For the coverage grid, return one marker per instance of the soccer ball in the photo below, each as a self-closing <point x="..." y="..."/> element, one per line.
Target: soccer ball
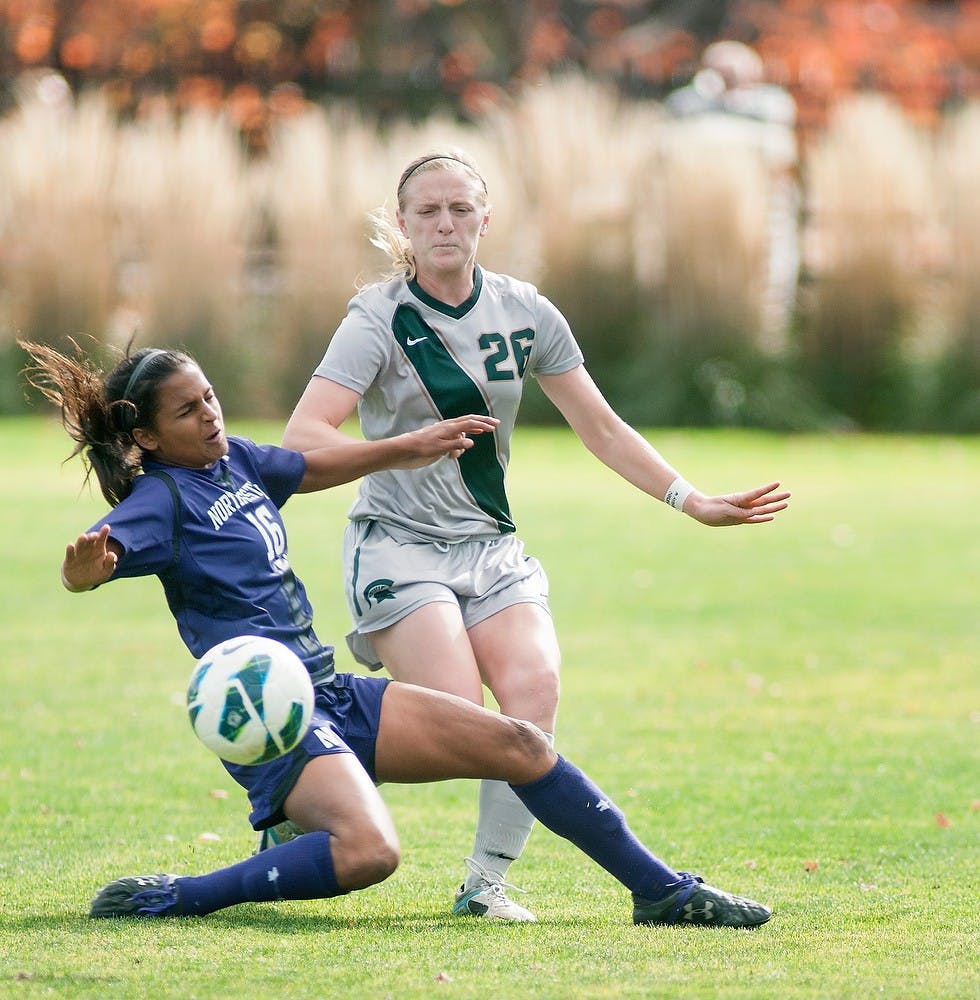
<point x="250" y="699"/>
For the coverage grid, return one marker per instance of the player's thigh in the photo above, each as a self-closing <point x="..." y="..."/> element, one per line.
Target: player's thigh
<point x="519" y="659"/>
<point x="335" y="793"/>
<point x="430" y="647"/>
<point x="431" y="736"/>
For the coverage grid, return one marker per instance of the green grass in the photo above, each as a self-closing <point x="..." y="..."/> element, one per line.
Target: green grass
<point x="785" y="708"/>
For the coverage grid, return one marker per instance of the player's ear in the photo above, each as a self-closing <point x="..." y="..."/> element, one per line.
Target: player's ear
<point x="485" y="225"/>
<point x="147" y="440"/>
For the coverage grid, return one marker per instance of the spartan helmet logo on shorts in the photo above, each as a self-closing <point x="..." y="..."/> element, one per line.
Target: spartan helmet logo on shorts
<point x="378" y="591"/>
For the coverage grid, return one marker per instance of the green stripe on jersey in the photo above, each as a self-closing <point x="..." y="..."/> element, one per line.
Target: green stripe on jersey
<point x="455" y="394"/>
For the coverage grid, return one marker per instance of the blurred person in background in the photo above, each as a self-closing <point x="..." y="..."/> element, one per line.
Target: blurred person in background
<point x="440" y="589"/>
<point x="728" y="101"/>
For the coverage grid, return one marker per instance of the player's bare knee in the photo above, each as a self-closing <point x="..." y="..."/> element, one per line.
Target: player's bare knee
<point x="371" y="870"/>
<point x="528" y="751"/>
<point x="530" y="692"/>
<point x="365" y="859"/>
<point x="550" y="685"/>
<point x="541" y="684"/>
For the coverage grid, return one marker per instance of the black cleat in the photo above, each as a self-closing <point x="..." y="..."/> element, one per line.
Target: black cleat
<point x="137" y="896"/>
<point x="695" y="902"/>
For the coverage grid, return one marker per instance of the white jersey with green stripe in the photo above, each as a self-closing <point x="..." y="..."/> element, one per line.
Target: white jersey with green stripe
<point x="415" y="360"/>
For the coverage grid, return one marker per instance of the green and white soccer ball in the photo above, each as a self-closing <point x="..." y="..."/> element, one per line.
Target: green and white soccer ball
<point x="250" y="699"/>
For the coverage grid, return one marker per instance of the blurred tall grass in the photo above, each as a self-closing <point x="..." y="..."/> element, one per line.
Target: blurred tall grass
<point x="654" y="238"/>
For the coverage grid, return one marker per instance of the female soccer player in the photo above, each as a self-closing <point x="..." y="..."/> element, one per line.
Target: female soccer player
<point x="200" y="510"/>
<point x="432" y="563"/>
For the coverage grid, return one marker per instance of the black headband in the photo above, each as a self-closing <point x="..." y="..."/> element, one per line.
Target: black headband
<point x="438" y="156"/>
<point x="138" y="369"/>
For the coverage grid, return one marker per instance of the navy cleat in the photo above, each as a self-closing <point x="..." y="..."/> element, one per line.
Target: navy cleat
<point x="137" y="896"/>
<point x="697" y="903"/>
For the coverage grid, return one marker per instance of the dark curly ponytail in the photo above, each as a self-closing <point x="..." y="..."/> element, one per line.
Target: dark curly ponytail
<point x="100" y="411"/>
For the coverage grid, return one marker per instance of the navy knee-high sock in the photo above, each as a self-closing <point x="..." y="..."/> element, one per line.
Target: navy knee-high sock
<point x="299" y="869"/>
<point x="567" y="802"/>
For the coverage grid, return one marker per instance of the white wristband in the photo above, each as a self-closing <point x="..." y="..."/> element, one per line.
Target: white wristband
<point x="678" y="491"/>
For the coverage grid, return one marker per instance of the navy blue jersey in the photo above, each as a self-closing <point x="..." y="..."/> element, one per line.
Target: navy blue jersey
<point x="220" y="550"/>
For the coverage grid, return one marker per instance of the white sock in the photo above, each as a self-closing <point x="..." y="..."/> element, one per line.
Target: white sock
<point x="502" y="829"/>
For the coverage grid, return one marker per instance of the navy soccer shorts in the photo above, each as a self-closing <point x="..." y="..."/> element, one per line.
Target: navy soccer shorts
<point x="346" y="717"/>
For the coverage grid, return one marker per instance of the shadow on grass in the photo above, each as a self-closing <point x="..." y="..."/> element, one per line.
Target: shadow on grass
<point x="257" y="918"/>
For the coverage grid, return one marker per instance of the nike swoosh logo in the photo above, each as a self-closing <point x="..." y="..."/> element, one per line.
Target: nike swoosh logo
<point x="228" y="649"/>
<point x="412" y="341"/>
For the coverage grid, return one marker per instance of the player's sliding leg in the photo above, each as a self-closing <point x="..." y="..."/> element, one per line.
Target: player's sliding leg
<point x="567" y="802"/>
<point x="299" y="869"/>
<point x="353" y="845"/>
<point x="426" y="734"/>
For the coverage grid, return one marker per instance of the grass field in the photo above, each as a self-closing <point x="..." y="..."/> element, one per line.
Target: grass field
<point x="792" y="710"/>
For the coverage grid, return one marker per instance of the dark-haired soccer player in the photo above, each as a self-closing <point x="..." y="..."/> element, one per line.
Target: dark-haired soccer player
<point x="201" y="511"/>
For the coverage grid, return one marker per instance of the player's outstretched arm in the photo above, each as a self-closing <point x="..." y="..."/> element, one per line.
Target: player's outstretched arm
<point x="751" y="507"/>
<point x="89" y="560"/>
<point x="348" y="459"/>
<point x="333" y="457"/>
<point x="629" y="454"/>
<point x="316" y="420"/>
<point x="444" y="439"/>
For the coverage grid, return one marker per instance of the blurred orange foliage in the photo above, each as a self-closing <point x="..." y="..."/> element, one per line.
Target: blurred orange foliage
<point x="924" y="54"/>
<point x="466" y="53"/>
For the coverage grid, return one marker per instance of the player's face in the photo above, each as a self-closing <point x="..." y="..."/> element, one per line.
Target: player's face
<point x="189" y="430"/>
<point x="444" y="217"/>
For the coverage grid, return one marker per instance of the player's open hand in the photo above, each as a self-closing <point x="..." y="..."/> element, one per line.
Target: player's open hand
<point x="447" y="438"/>
<point x="89" y="561"/>
<point x="751" y="507"/>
